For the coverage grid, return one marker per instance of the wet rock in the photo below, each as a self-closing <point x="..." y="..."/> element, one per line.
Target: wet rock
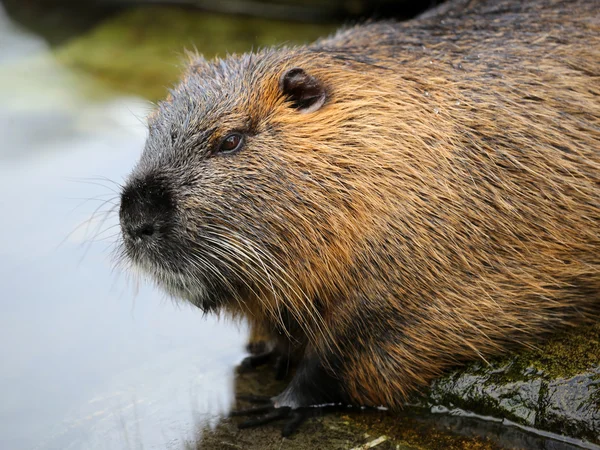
<point x="555" y="387"/>
<point x="413" y="428"/>
<point x="573" y="406"/>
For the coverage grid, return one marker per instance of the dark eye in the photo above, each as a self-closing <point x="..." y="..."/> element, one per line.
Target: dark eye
<point x="231" y="143"/>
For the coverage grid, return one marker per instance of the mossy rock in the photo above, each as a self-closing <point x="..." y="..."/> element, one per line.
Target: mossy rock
<point x="554" y="387"/>
<point x="415" y="428"/>
<point x="141" y="51"/>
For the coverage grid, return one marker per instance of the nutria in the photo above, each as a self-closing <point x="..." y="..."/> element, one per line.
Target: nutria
<point x="389" y="201"/>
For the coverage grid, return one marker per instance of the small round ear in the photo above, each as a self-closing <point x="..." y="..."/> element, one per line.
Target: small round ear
<point x="305" y="92"/>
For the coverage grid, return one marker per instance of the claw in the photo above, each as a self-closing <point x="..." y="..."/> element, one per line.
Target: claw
<point x="271" y="414"/>
<point x="294" y="417"/>
<point x="275" y="414"/>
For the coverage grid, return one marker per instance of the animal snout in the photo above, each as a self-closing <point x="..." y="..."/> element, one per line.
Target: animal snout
<point x="146" y="208"/>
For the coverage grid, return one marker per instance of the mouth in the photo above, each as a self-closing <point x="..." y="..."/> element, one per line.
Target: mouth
<point x="179" y="283"/>
<point x="184" y="271"/>
<point x="187" y="261"/>
<point x="157" y="245"/>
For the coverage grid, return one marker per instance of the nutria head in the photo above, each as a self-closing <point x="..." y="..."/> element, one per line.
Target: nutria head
<point x="229" y="198"/>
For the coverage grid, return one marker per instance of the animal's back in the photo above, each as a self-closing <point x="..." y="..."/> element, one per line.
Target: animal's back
<point x="488" y="187"/>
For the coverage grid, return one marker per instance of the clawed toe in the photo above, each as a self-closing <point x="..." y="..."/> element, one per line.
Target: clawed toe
<point x="256" y="399"/>
<point x="273" y="414"/>
<point x="266" y="412"/>
<point x="294" y="418"/>
<point x="269" y="413"/>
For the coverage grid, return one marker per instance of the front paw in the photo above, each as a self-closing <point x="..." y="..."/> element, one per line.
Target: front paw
<point x="311" y="391"/>
<point x="281" y="365"/>
<point x="269" y="412"/>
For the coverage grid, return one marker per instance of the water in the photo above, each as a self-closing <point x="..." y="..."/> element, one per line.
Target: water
<point x="89" y="360"/>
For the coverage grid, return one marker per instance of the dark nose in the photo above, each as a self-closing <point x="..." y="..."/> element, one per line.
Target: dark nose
<point x="146" y="208"/>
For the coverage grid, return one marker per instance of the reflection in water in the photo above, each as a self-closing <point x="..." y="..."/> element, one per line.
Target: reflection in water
<point x="88" y="360"/>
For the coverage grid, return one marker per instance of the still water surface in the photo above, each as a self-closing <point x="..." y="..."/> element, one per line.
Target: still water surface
<point x="89" y="359"/>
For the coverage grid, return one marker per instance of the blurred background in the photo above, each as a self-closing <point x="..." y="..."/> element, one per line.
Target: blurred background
<point x="91" y="360"/>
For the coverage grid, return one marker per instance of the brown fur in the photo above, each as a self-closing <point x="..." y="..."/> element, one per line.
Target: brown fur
<point x="443" y="204"/>
<point x="485" y="181"/>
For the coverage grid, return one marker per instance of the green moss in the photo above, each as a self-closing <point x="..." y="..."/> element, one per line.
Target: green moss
<point x="564" y="355"/>
<point x="532" y="387"/>
<point x="141" y="51"/>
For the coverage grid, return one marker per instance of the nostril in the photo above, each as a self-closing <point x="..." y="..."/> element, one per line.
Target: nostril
<point x="146" y="209"/>
<point x="146" y="230"/>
